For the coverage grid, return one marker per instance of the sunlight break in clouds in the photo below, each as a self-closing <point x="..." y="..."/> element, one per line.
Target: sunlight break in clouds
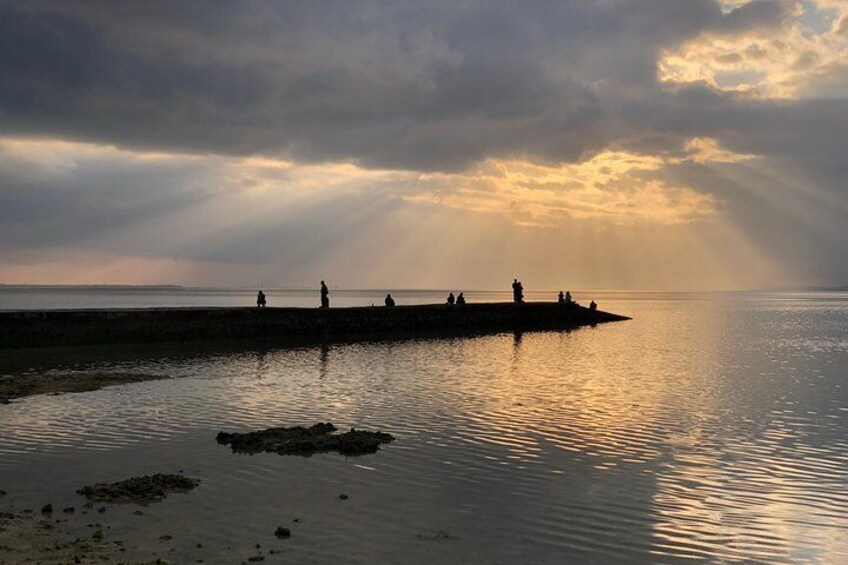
<point x="609" y="186"/>
<point x="183" y="218"/>
<point x="797" y="61"/>
<point x="615" y="143"/>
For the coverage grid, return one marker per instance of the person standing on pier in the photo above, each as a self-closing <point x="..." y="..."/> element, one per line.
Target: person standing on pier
<point x="517" y="291"/>
<point x="325" y="296"/>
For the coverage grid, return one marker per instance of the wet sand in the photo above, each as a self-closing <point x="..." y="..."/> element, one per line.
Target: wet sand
<point x="31" y="538"/>
<point x="28" y="537"/>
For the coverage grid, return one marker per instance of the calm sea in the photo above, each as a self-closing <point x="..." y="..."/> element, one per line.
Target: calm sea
<point x="710" y="428"/>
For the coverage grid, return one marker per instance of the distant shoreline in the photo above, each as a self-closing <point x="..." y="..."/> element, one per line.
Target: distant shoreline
<point x="175" y="287"/>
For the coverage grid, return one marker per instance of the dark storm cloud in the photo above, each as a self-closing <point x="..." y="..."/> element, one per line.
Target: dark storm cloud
<point x="425" y="86"/>
<point x="81" y="204"/>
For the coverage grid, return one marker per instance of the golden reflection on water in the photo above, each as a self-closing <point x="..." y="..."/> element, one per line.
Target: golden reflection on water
<point x="678" y="415"/>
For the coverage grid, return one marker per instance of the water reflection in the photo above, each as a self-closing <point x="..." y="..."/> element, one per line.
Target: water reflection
<point x="699" y="430"/>
<point x="325" y="353"/>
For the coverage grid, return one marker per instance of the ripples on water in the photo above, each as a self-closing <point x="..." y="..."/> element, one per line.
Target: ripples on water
<point x="707" y="429"/>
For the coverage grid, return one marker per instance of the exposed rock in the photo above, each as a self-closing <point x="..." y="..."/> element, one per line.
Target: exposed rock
<point x="305" y="441"/>
<point x="47" y="509"/>
<point x="439" y="535"/>
<point x="140" y="490"/>
<point x="3" y="492"/>
<point x="282" y="532"/>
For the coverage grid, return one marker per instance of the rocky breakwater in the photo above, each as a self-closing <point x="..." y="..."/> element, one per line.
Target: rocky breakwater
<point x="50" y="328"/>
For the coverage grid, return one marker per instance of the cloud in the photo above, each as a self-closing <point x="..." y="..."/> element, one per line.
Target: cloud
<point x="611" y="186"/>
<point x="307" y="133"/>
<point x="100" y="213"/>
<point x="425" y="86"/>
<point x="783" y="60"/>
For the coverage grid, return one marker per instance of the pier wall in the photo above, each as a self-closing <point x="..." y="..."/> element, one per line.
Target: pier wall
<point x="48" y="328"/>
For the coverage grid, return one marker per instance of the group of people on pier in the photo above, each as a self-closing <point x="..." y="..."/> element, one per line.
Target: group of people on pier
<point x="459" y="300"/>
<point x="517" y="297"/>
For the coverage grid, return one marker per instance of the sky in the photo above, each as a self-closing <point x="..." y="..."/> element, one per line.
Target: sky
<point x="583" y="144"/>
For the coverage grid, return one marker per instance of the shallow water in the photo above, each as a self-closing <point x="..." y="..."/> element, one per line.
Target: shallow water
<point x="710" y="427"/>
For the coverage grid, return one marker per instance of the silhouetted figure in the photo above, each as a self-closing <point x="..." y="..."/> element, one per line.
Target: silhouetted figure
<point x="561" y="298"/>
<point x="325" y="296"/>
<point x="451" y="299"/>
<point x="460" y="300"/>
<point x="520" y="293"/>
<point x="390" y="302"/>
<point x="568" y="297"/>
<point x="260" y="299"/>
<point x="593" y="306"/>
<point x="516" y="293"/>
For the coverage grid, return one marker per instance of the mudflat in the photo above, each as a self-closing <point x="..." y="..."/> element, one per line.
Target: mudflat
<point x="20" y="386"/>
<point x="25" y="537"/>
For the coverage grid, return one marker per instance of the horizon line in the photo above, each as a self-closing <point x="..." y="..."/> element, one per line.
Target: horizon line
<point x="165" y="286"/>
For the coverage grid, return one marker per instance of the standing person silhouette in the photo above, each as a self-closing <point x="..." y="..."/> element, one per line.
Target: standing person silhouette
<point x="561" y="298"/>
<point x="325" y="296"/>
<point x="520" y="299"/>
<point x="516" y="291"/>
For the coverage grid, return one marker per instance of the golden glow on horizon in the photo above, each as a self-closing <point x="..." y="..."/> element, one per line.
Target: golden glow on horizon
<point x="608" y="222"/>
